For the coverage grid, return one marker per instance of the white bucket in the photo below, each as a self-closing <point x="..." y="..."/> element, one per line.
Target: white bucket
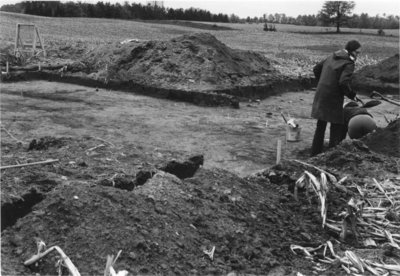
<point x="293" y="133"/>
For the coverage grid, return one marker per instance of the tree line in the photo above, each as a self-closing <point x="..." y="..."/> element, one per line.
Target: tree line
<point x="363" y="21"/>
<point x="156" y="12"/>
<point x="115" y="11"/>
<point x="338" y="14"/>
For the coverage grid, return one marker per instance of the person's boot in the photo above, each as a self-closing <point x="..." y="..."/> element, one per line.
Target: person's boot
<point x="318" y="140"/>
<point x="335" y="136"/>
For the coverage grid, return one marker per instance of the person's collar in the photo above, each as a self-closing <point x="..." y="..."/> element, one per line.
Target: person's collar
<point x="350" y="55"/>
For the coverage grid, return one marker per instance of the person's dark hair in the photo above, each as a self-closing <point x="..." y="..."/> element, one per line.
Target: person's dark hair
<point x="352" y="45"/>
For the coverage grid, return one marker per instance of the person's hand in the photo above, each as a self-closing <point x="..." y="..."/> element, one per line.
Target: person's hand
<point x="359" y="100"/>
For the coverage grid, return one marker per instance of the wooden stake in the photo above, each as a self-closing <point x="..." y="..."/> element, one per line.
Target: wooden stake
<point x="34" y="41"/>
<point x="29" y="164"/>
<point x="41" y="42"/>
<point x="278" y="151"/>
<point x="16" y="38"/>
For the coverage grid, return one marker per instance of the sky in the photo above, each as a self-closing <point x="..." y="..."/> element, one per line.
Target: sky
<point x="257" y="8"/>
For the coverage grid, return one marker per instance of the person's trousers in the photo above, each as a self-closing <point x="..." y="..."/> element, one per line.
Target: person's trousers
<point x="335" y="137"/>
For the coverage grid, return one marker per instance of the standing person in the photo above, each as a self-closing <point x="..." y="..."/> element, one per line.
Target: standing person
<point x="334" y="77"/>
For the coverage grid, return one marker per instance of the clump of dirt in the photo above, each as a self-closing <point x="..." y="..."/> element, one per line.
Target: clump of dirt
<point x="385" y="140"/>
<point x="190" y="62"/>
<point x="185" y="169"/>
<point x="383" y="77"/>
<point x="45" y="142"/>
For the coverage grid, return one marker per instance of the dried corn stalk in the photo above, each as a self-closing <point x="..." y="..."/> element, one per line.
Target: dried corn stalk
<point x="320" y="187"/>
<point x="110" y="271"/>
<point x="350" y="262"/>
<point x="375" y="219"/>
<point x="378" y="218"/>
<point x="64" y="258"/>
<point x="65" y="261"/>
<point x="353" y="212"/>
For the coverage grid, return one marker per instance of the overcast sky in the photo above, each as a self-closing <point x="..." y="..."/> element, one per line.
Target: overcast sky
<point x="258" y="8"/>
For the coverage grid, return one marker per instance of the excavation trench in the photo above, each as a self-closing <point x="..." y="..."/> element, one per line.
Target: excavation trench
<point x="219" y="97"/>
<point x="182" y="170"/>
<point x="11" y="212"/>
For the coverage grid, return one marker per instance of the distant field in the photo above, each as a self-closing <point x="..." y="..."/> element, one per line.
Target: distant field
<point x="299" y="46"/>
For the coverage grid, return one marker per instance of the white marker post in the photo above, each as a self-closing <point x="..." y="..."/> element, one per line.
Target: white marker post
<point x="278" y="151"/>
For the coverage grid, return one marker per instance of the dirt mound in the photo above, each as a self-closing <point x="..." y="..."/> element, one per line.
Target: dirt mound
<point x="355" y="158"/>
<point x="163" y="226"/>
<point x="385" y="140"/>
<point x="383" y="77"/>
<point x="190" y="62"/>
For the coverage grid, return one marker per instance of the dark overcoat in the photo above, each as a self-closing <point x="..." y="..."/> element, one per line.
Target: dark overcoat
<point x="334" y="78"/>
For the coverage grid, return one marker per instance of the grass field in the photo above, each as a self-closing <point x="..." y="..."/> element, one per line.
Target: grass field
<point x="291" y="46"/>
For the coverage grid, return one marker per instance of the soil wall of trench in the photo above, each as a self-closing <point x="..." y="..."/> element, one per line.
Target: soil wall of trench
<point x="231" y="96"/>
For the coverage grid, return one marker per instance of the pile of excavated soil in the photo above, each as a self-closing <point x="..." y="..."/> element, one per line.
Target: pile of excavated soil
<point x="355" y="158"/>
<point x="163" y="225"/>
<point x="375" y="153"/>
<point x="385" y="140"/>
<point x="189" y="62"/>
<point x="382" y="77"/>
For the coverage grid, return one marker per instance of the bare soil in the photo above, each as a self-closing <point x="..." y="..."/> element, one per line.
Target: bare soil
<point x="167" y="181"/>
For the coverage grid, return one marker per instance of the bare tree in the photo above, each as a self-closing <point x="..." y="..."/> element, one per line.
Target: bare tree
<point x="336" y="12"/>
